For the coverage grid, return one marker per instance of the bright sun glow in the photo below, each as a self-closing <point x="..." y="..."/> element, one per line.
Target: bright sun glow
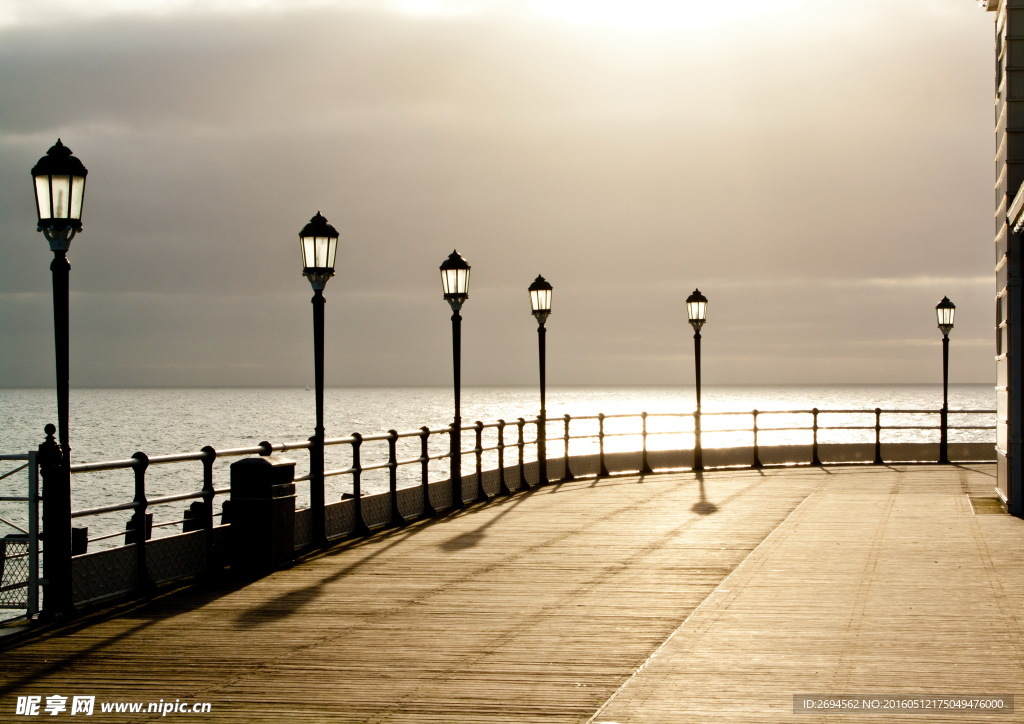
<point x="626" y="15"/>
<point x="651" y="15"/>
<point x="638" y="15"/>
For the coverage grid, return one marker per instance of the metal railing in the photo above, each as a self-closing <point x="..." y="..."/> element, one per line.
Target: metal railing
<point x="580" y="435"/>
<point x="501" y="460"/>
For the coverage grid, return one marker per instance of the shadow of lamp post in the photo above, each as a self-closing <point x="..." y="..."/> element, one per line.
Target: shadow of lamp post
<point x="59" y="188"/>
<point x="455" y="285"/>
<point x="697" y="312"/>
<point x="318" y="241"/>
<point x="945" y="310"/>
<point x="540" y="301"/>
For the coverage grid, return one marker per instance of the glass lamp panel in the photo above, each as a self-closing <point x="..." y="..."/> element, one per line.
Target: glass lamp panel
<point x="60" y="195"/>
<point x="455" y="282"/>
<point x="308" y="244"/>
<point x="697" y="311"/>
<point x="77" y="195"/>
<point x="321" y="249"/>
<point x="318" y="252"/>
<point x="332" y="251"/>
<point x="945" y="315"/>
<point x="540" y="299"/>
<point x="43" y="197"/>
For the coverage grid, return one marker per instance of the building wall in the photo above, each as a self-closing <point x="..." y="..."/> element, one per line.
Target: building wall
<point x="1009" y="173"/>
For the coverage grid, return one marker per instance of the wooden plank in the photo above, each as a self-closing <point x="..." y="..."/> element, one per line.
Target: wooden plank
<point x="880" y="584"/>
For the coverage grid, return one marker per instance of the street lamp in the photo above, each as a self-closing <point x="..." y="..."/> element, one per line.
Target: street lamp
<point x="697" y="312"/>
<point x="59" y="180"/>
<point x="540" y="302"/>
<point x="318" y="242"/>
<point x="60" y="186"/>
<point x="455" y="284"/>
<point x="945" y="310"/>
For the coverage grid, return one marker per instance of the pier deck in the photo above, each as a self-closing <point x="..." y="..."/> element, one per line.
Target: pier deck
<point x="666" y="598"/>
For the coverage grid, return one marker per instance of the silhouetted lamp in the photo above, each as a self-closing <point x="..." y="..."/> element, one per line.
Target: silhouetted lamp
<point x="945" y="310"/>
<point x="318" y="242"/>
<point x="59" y="181"/>
<point x="697" y="312"/>
<point x="60" y="189"/>
<point x="540" y="299"/>
<point x="540" y="302"/>
<point x="455" y="285"/>
<point x="455" y="280"/>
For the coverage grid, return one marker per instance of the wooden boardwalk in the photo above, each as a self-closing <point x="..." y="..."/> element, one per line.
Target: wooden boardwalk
<point x="660" y="599"/>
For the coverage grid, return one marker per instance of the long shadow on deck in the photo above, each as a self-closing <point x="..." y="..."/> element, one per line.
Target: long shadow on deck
<point x="473" y="537"/>
<point x="151" y="612"/>
<point x="291" y="603"/>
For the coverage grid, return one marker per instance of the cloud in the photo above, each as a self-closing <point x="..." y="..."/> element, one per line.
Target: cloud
<point x="811" y="180"/>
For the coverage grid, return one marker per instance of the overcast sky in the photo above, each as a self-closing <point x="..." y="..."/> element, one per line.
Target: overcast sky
<point x="822" y="171"/>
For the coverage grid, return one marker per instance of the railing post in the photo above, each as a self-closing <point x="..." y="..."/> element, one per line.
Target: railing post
<point x="645" y="467"/>
<point x="428" y="507"/>
<point x="58" y="600"/>
<point x="542" y="448"/>
<point x="141" y="524"/>
<point x="567" y="474"/>
<point x="602" y="469"/>
<point x="757" y="449"/>
<point x="478" y="452"/>
<point x="210" y="457"/>
<point x="878" y="436"/>
<point x="502" y="481"/>
<point x="359" y="525"/>
<point x="396" y="515"/>
<point x="317" y="495"/>
<point x="523" y="482"/>
<point x="33" y="534"/>
<point x="815" y="460"/>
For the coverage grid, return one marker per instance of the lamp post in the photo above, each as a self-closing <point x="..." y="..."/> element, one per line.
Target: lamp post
<point x="59" y="180"/>
<point x="540" y="302"/>
<point x="455" y="285"/>
<point x="945" y="310"/>
<point x="318" y="242"/>
<point x="60" y="187"/>
<point x="697" y="312"/>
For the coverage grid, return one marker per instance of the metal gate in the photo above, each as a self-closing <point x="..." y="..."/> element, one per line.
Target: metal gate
<point x="19" y="536"/>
